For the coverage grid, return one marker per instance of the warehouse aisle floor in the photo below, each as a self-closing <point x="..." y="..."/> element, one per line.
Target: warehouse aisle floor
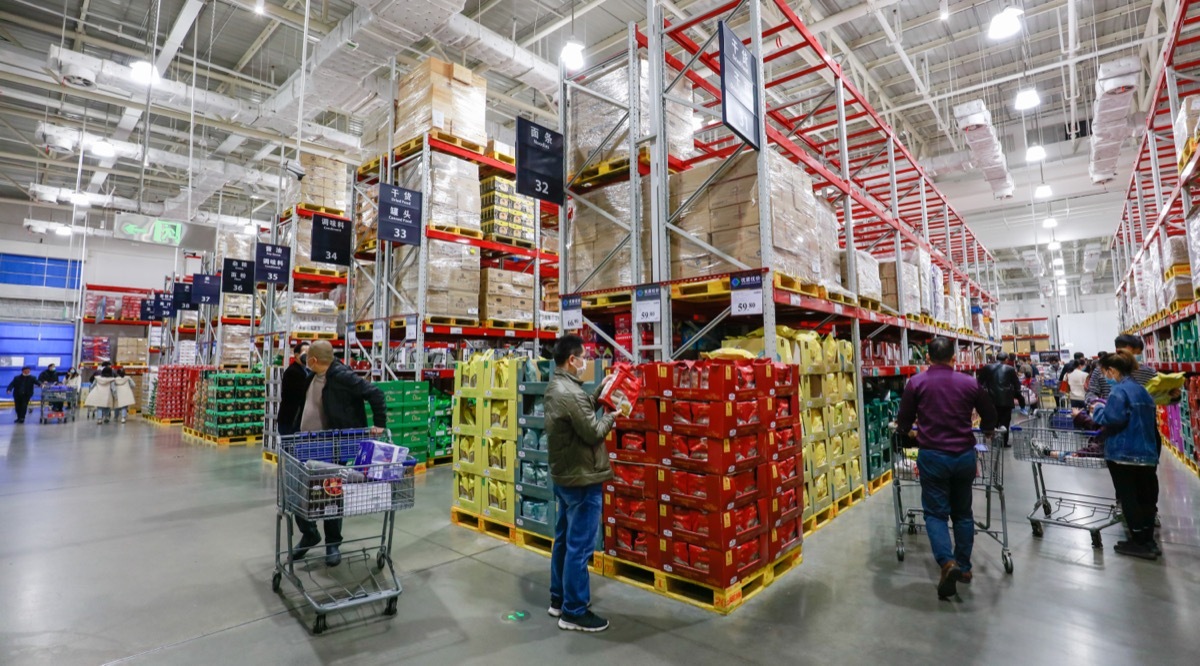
<point x="124" y="544"/>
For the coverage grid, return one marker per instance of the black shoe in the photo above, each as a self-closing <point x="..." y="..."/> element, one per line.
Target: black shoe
<point x="306" y="542"/>
<point x="333" y="556"/>
<point x="555" y="609"/>
<point x="20" y="420"/>
<point x="588" y="622"/>
<point x="1134" y="549"/>
<point x="948" y="583"/>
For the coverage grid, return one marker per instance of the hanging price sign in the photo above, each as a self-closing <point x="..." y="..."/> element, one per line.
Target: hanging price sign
<point x="147" y="309"/>
<point x="647" y="304"/>
<point x="747" y="294"/>
<point x="572" y="313"/>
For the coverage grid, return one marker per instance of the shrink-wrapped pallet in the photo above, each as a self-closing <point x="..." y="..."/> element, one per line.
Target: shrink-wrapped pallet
<point x="437" y="95"/>
<point x="452" y="199"/>
<point x="326" y="182"/>
<point x="867" y="270"/>
<point x="593" y="236"/>
<point x="910" y="299"/>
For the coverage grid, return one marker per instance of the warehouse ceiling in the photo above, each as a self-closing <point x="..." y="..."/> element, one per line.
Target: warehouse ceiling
<point x="913" y="66"/>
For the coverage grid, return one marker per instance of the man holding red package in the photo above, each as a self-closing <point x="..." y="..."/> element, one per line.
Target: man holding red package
<point x="944" y="400"/>
<point x="578" y="467"/>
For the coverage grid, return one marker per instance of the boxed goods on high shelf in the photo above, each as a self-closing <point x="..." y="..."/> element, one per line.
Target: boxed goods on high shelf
<point x="506" y="295"/>
<point x="132" y="351"/>
<point x="311" y="314"/>
<point x="185" y="352"/>
<point x="437" y="95"/>
<point x="924" y="263"/>
<point x="175" y="391"/>
<point x="870" y="286"/>
<point x="593" y="238"/>
<point x="407" y="415"/>
<point x="889" y="285"/>
<point x="229" y="406"/>
<point x="112" y="305"/>
<point x="507" y="217"/>
<point x="1177" y="289"/>
<point x="453" y="198"/>
<point x="236" y="244"/>
<point x="95" y="349"/>
<point x="326" y="182"/>
<point x="235" y="346"/>
<point x="1184" y="127"/>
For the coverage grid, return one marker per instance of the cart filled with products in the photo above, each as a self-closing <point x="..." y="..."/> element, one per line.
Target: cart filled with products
<point x="59" y="403"/>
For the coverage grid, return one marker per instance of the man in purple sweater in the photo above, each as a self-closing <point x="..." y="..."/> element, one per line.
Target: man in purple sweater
<point x="943" y="400"/>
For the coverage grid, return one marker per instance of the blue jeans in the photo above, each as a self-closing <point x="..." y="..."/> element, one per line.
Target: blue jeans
<point x="574" y="541"/>
<point x="946" y="494"/>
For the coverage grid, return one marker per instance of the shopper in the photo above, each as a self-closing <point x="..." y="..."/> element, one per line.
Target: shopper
<point x="943" y="400"/>
<point x="334" y="396"/>
<point x="291" y="390"/>
<point x="73" y="379"/>
<point x="1077" y="380"/>
<point x="578" y="467"/>
<point x="21" y="387"/>
<point x="1131" y="449"/>
<point x="1004" y="388"/>
<point x="123" y="397"/>
<point x="1099" y="385"/>
<point x="48" y="377"/>
<point x="1076" y="360"/>
<point x="102" y="395"/>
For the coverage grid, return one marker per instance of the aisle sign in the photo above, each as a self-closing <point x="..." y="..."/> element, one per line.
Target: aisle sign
<point x="379" y="332"/>
<point x="747" y="298"/>
<point x="572" y="313"/>
<point x="181" y="297"/>
<point x="236" y="277"/>
<point x="272" y="263"/>
<point x="739" y="87"/>
<point x="399" y="215"/>
<point x="539" y="162"/>
<point x="647" y="304"/>
<point x="164" y="306"/>
<point x="206" y="289"/>
<point x="331" y="240"/>
<point x="148" y="310"/>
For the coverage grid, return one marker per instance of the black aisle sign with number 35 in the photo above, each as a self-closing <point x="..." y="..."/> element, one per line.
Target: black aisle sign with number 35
<point x="331" y="240"/>
<point x="539" y="162"/>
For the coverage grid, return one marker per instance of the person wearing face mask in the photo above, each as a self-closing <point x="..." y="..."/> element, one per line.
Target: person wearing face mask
<point x="1131" y="450"/>
<point x="578" y="467"/>
<point x="1099" y="385"/>
<point x="291" y="390"/>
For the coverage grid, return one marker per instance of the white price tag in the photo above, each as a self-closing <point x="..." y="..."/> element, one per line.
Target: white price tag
<point x="410" y="328"/>
<point x="379" y="332"/>
<point x="747" y="302"/>
<point x="647" y="304"/>
<point x="572" y="320"/>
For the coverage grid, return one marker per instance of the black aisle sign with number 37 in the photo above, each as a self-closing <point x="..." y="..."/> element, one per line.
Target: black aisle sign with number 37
<point x="539" y="162"/>
<point x="331" y="240"/>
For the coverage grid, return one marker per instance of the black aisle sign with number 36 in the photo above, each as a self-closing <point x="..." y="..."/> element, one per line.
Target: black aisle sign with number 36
<point x="539" y="162"/>
<point x="331" y="240"/>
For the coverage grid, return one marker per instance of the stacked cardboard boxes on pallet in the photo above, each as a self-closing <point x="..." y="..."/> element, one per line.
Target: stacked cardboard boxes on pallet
<point x="506" y="295"/>
<point x="228" y="405"/>
<point x="326" y="182"/>
<point x="485" y="412"/>
<point x="437" y="95"/>
<point x="507" y="217"/>
<point x="407" y="415"/>
<point x="132" y="351"/>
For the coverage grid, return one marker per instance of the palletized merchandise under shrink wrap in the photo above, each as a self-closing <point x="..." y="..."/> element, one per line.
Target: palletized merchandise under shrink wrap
<point x="1185" y="125"/>
<point x="237" y="306"/>
<point x="591" y="118"/>
<point x="892" y="298"/>
<point x="452" y="281"/>
<point x="1193" y="239"/>
<point x="366" y="215"/>
<point x="437" y="95"/>
<point x="326" y="182"/>
<point x="593" y="236"/>
<point x="452" y="199"/>
<point x="867" y="269"/>
<point x="923" y="262"/>
<point x="235" y="345"/>
<point x="506" y="295"/>
<point x="132" y="351"/>
<point x="1175" y="251"/>
<point x="937" y="292"/>
<point x="1178" y="288"/>
<point x="235" y="244"/>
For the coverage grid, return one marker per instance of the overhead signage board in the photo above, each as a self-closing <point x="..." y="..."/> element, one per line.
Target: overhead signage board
<point x="331" y="240"/>
<point x="272" y="263"/>
<point x="237" y="277"/>
<point x="182" y="297"/>
<point x="540" y="164"/>
<point x="739" y="87"/>
<point x="399" y="215"/>
<point x="206" y="289"/>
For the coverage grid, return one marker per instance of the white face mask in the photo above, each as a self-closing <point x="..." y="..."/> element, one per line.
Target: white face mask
<point x="580" y="368"/>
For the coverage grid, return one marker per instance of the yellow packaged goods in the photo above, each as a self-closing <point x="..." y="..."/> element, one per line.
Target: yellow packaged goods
<point x="516" y="202"/>
<point x="438" y="95"/>
<point x="453" y="198"/>
<point x="498" y="184"/>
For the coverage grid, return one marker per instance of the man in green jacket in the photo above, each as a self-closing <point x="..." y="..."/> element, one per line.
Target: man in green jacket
<point x="578" y="467"/>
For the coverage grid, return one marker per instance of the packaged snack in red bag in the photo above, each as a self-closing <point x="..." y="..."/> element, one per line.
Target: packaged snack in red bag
<point x="746" y="411"/>
<point x="745" y="447"/>
<point x="783" y="409"/>
<point x="748" y="553"/>
<point x="682" y="412"/>
<point x="689" y="520"/>
<point x="679" y="446"/>
<point x="680" y="483"/>
<point x="787" y="501"/>
<point x="633" y="441"/>
<point x="701" y="558"/>
<point x="745" y="376"/>
<point x="631" y="508"/>
<point x="623" y="387"/>
<point x="682" y="553"/>
<point x="698" y="448"/>
<point x="625" y="538"/>
<point x="701" y="413"/>
<point x="746" y="518"/>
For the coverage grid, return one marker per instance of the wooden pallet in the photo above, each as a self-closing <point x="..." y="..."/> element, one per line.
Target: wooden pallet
<point x="310" y="335"/>
<point x="482" y="524"/>
<point x="789" y="283"/>
<point x="340" y="212"/>
<point x="501" y="157"/>
<point x="438" y="320"/>
<point x="870" y="304"/>
<point x="599" y="173"/>
<point x="240" y="440"/>
<point x="850" y="499"/>
<point x="439" y="461"/>
<point x="366" y="249"/>
<point x="417" y="143"/>
<point x="506" y="240"/>
<point x="819" y="519"/>
<point x="704" y="290"/>
<point x="1178" y="305"/>
<point x="271" y="457"/>
<point x="876" y="485"/>
<point x="844" y="299"/>
<point x="458" y="231"/>
<point x="163" y="422"/>
<point x="672" y="586"/>
<point x="511" y="324"/>
<point x="616" y="298"/>
<point x="537" y="543"/>
<point x="322" y="272"/>
<point x="368" y="169"/>
<point x="1177" y="270"/>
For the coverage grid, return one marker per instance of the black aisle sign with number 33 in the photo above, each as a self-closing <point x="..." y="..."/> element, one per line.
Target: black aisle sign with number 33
<point x="331" y="240"/>
<point x="539" y="162"/>
<point x="399" y="215"/>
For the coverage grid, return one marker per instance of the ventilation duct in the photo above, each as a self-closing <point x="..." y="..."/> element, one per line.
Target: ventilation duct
<point x="975" y="122"/>
<point x="1115" y="85"/>
<point x="1033" y="263"/>
<point x="97" y="200"/>
<point x="501" y="53"/>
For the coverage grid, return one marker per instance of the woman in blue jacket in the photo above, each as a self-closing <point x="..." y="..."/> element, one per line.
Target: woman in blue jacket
<point x="1131" y="450"/>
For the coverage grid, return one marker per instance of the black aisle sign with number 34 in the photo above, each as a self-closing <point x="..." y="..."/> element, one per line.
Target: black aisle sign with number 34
<point x="331" y="240"/>
<point x="539" y="162"/>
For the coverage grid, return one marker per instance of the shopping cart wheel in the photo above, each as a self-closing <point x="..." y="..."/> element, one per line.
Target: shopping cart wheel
<point x="1097" y="541"/>
<point x="1038" y="530"/>
<point x="275" y="580"/>
<point x="1008" y="562"/>
<point x="380" y="562"/>
<point x="900" y="552"/>
<point x="319" y="624"/>
<point x="1046" y="508"/>
<point x="391" y="607"/>
<point x="912" y="527"/>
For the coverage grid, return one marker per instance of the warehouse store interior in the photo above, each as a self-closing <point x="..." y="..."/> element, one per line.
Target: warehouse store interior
<point x="363" y="331"/>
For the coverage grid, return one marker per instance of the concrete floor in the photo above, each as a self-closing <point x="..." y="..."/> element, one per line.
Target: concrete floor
<point x="124" y="544"/>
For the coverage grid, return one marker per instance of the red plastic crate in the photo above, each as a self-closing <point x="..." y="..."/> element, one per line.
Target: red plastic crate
<point x="715" y="455"/>
<point x="784" y="410"/>
<point x="786" y="506"/>
<point x="784" y="538"/>
<point x="714" y="529"/>
<point x="635" y="546"/>
<point x="634" y="446"/>
<point x="711" y="492"/>
<point x="637" y="513"/>
<point x="783" y="474"/>
<point x="713" y="380"/>
<point x="643" y="417"/>
<point x="633" y="479"/>
<point x="716" y="419"/>
<point x="785" y="442"/>
<point x="715" y="567"/>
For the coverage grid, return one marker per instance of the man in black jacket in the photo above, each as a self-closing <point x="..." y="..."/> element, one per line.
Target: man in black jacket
<point x="21" y="387"/>
<point x="1003" y="386"/>
<point x="49" y="377"/>
<point x="292" y="387"/>
<point x="333" y="400"/>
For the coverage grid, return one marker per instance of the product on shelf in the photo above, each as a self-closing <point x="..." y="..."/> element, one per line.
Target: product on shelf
<point x="506" y="295"/>
<point x="867" y="268"/>
<point x="437" y="95"/>
<point x="326" y="182"/>
<point x="507" y="217"/>
<point x="96" y="349"/>
<point x="235" y="345"/>
<point x="452" y="199"/>
<point x="890" y="285"/>
<point x="175" y="391"/>
<point x="594" y="237"/>
<point x="302" y="257"/>
<point x="228" y="405"/>
<point x="132" y="351"/>
<point x="235" y="244"/>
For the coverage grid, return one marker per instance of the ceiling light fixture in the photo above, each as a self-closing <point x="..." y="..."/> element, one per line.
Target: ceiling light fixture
<point x="143" y="72"/>
<point x="1054" y="246"/>
<point x="1027" y="99"/>
<point x="1035" y="154"/>
<point x="259" y="7"/>
<point x="944" y="11"/>
<point x="1049" y="223"/>
<point x="103" y="149"/>
<point x="64" y="230"/>
<point x="572" y="52"/>
<point x="1058" y="272"/>
<point x="1043" y="191"/>
<point x="1005" y="24"/>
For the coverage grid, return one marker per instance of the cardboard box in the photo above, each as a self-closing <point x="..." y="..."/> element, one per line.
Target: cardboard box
<point x="443" y="96"/>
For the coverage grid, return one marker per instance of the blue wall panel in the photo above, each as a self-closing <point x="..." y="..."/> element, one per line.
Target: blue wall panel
<point x="32" y="341"/>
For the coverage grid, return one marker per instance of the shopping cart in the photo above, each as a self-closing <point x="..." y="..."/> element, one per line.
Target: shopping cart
<point x="989" y="481"/>
<point x="59" y="403"/>
<point x="318" y="479"/>
<point x="1051" y="439"/>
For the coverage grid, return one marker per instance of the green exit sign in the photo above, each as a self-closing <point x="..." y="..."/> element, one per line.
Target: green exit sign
<point x="146" y="229"/>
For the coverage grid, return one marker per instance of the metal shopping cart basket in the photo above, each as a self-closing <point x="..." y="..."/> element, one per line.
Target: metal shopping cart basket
<point x="318" y="479"/>
<point x="1051" y="439"/>
<point x="989" y="481"/>
<point x="59" y="403"/>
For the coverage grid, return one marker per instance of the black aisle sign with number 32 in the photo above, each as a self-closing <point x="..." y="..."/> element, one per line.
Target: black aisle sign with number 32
<point x="331" y="240"/>
<point x="539" y="162"/>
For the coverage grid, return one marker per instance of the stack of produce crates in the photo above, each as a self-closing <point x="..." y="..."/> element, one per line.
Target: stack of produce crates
<point x="408" y="415"/>
<point x="229" y="405"/>
<point x="484" y="415"/>
<point x="441" y="439"/>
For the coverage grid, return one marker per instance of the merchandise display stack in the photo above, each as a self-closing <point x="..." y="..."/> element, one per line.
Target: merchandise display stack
<point x="829" y="414"/>
<point x="484" y="420"/>
<point x="442" y="97"/>
<point x="175" y="393"/>
<point x="536" y="505"/>
<point x="132" y="353"/>
<point x="96" y="349"/>
<point x="229" y="408"/>
<point x="507" y="217"/>
<point x="407" y="415"/>
<point x="441" y="439"/>
<point x="882" y="409"/>
<point x="1026" y="336"/>
<point x="506" y="298"/>
<point x="312" y="318"/>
